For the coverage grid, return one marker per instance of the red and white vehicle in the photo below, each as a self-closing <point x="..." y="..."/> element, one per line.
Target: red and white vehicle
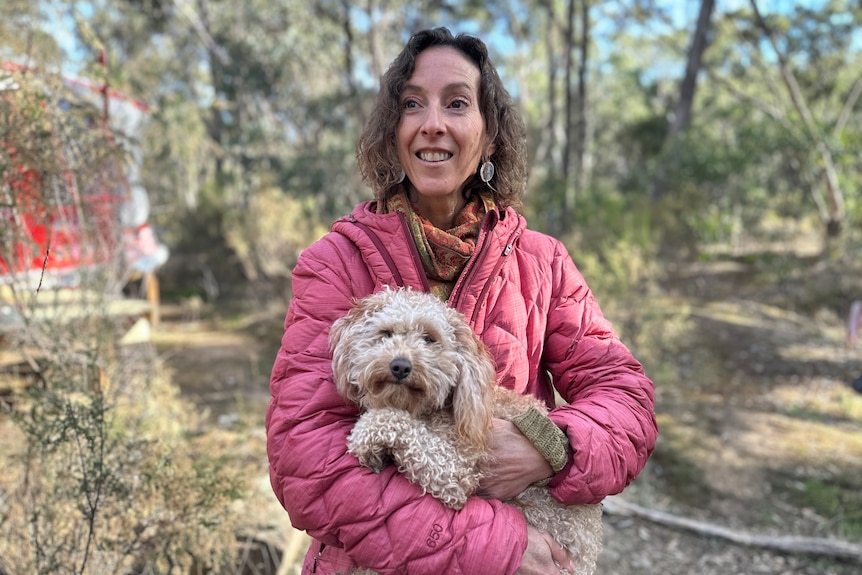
<point x="54" y="230"/>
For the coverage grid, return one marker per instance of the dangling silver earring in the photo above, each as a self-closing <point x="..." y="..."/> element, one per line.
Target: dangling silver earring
<point x="401" y="176"/>
<point x="486" y="171"/>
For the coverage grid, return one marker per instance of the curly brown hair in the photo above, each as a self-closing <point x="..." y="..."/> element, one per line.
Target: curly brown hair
<point x="376" y="150"/>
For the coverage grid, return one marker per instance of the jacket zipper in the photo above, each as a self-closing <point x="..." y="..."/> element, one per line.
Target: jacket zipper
<point x="464" y="280"/>
<point x="484" y="293"/>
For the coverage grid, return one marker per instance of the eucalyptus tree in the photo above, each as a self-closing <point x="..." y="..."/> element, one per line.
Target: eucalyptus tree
<point x="797" y="74"/>
<point x="596" y="56"/>
<point x="688" y="86"/>
<point x="680" y="116"/>
<point x="831" y="199"/>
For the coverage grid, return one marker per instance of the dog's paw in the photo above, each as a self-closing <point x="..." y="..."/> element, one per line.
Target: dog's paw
<point x="375" y="460"/>
<point x="371" y="455"/>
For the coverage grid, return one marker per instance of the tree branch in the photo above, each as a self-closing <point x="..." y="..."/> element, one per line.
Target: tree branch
<point x="848" y="106"/>
<point x="783" y="543"/>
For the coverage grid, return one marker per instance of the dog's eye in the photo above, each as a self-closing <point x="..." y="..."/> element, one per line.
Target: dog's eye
<point x="430" y="339"/>
<point x="385" y="333"/>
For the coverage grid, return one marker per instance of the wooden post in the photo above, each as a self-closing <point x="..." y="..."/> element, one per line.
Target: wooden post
<point x="151" y="283"/>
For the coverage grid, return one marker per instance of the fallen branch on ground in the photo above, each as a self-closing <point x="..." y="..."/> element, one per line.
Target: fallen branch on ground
<point x="790" y="544"/>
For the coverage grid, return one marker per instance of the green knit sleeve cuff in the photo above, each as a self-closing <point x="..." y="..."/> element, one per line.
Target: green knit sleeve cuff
<point x="546" y="436"/>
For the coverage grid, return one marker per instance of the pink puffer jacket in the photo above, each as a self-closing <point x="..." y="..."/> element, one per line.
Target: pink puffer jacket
<point x="531" y="306"/>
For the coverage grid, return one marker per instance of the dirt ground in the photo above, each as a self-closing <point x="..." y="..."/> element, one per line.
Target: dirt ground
<point x="761" y="433"/>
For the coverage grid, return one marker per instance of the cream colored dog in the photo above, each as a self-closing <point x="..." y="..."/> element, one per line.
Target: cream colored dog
<point x="426" y="386"/>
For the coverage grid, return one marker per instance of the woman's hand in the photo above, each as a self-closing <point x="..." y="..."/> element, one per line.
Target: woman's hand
<point x="516" y="463"/>
<point x="543" y="555"/>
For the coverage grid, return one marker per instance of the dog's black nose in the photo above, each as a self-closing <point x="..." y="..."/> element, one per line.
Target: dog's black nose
<point x="400" y="368"/>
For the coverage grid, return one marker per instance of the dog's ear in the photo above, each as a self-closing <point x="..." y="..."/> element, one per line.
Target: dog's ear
<point x="346" y="333"/>
<point x="339" y="342"/>
<point x="472" y="394"/>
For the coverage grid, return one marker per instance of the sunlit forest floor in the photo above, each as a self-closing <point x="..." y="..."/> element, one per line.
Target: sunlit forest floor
<point x="761" y="431"/>
<point x="760" y="427"/>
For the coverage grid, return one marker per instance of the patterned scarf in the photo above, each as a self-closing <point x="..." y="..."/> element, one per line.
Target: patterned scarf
<point x="444" y="253"/>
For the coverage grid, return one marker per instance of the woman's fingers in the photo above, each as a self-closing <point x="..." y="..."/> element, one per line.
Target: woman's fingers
<point x="559" y="554"/>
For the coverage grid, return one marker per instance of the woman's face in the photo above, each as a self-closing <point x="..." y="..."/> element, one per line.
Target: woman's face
<point x="441" y="137"/>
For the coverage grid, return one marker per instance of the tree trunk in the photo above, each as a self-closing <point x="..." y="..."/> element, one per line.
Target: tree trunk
<point x="549" y="149"/>
<point x="699" y="43"/>
<point x="349" y="43"/>
<point x="583" y="159"/>
<point x="550" y="154"/>
<point x="215" y="125"/>
<point x="688" y="87"/>
<point x="568" y="43"/>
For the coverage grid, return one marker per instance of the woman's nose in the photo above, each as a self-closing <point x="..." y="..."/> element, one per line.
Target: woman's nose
<point x="433" y="122"/>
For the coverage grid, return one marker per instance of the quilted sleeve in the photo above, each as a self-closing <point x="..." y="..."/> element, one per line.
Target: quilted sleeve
<point x="381" y="520"/>
<point x="609" y="418"/>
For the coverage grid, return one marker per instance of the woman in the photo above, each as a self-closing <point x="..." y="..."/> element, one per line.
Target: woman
<point x="445" y="153"/>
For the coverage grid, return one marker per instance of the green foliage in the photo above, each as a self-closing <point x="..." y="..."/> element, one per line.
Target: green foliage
<point x="643" y="138"/>
<point x="612" y="243"/>
<point x="269" y="236"/>
<point x="836" y="497"/>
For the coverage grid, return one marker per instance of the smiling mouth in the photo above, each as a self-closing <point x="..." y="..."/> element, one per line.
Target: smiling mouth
<point x="433" y="156"/>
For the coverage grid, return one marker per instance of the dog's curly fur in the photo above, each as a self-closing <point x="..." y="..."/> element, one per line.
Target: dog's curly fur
<point x="426" y="387"/>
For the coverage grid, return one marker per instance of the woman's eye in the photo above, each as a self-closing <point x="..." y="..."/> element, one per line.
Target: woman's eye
<point x="409" y="104"/>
